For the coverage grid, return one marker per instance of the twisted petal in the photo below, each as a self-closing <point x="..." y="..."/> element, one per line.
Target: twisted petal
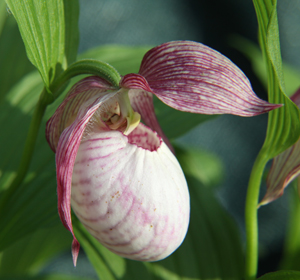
<point x="68" y="109"/>
<point x="66" y="151"/>
<point x="130" y="193"/>
<point x="285" y="167"/>
<point x="192" y="77"/>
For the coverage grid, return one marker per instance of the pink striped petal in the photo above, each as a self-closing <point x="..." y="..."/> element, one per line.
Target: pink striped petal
<point x="67" y="147"/>
<point x="192" y="77"/>
<point x="285" y="167"/>
<point x="130" y="193"/>
<point x="68" y="109"/>
<point x="135" y="81"/>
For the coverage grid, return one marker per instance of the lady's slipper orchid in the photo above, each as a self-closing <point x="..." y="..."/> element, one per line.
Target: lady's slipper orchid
<point x="285" y="167"/>
<point x="119" y="175"/>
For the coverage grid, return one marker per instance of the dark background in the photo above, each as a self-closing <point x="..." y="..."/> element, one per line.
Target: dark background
<point x="234" y="139"/>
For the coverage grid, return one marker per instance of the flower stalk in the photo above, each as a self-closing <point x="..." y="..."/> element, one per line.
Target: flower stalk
<point x="86" y="66"/>
<point x="251" y="216"/>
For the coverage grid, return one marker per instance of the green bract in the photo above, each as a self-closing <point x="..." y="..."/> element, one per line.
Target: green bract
<point x="283" y="124"/>
<point x="49" y="32"/>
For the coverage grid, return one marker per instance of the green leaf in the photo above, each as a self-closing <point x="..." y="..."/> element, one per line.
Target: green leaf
<point x="50" y="34"/>
<point x="34" y="251"/>
<point x="211" y="249"/>
<point x="13" y="59"/>
<point x="71" y="40"/>
<point x="283" y="125"/>
<point x="281" y="275"/>
<point x="127" y="60"/>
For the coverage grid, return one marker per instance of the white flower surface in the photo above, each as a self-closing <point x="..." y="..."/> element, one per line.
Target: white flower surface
<point x="130" y="193"/>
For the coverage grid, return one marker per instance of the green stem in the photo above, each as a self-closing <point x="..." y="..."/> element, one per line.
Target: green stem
<point x="86" y="66"/>
<point x="38" y="113"/>
<point x="251" y="216"/>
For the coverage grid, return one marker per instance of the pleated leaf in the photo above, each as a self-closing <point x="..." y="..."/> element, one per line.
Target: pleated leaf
<point x="13" y="60"/>
<point x="285" y="167"/>
<point x="50" y="33"/>
<point x="283" y="125"/>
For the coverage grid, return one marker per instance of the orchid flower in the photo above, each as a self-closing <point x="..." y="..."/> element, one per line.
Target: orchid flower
<point x="120" y="176"/>
<point x="285" y="167"/>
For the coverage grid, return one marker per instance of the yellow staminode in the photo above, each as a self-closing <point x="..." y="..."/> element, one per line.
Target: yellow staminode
<point x="132" y="122"/>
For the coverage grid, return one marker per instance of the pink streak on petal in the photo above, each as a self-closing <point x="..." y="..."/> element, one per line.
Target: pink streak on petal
<point x="141" y="99"/>
<point x="285" y="167"/>
<point x="75" y="250"/>
<point x="138" y="202"/>
<point x="68" y="109"/>
<point x="67" y="147"/>
<point x="142" y="102"/>
<point x="135" y="81"/>
<point x="192" y="77"/>
<point x="145" y="138"/>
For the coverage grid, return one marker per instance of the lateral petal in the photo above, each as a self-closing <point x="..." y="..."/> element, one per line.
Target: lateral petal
<point x="66" y="152"/>
<point x="130" y="193"/>
<point x="68" y="109"/>
<point x="285" y="167"/>
<point x="192" y="77"/>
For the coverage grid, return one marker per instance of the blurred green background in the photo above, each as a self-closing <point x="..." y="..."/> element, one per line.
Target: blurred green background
<point x="235" y="140"/>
